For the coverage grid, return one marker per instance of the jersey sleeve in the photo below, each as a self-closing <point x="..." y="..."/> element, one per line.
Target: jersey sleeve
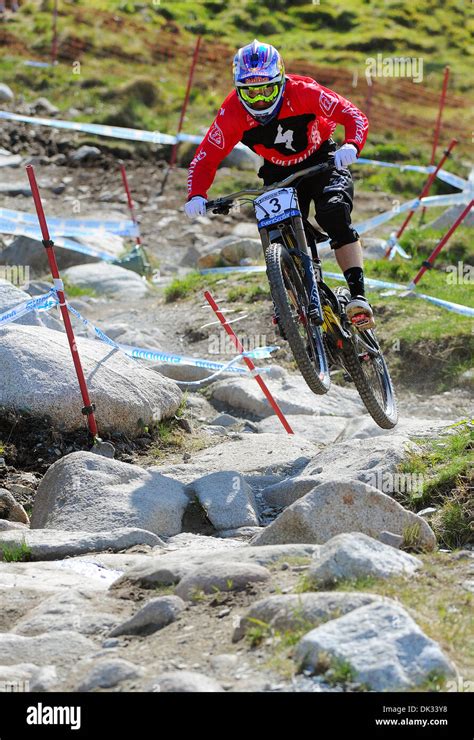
<point x="337" y="109"/>
<point x="222" y="136"/>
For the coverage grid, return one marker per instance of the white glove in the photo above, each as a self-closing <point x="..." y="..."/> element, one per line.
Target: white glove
<point x="195" y="207"/>
<point x="345" y="156"/>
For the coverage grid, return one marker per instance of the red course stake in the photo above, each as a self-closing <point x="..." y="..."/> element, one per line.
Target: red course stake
<point x="54" y="41"/>
<point x="89" y="408"/>
<point x="186" y="99"/>
<point x="424" y="192"/>
<point x="138" y="240"/>
<point x="429" y="262"/>
<point x="440" y="112"/>
<point x="239" y="347"/>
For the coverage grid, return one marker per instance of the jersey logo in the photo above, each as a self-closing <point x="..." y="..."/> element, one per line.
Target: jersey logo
<point x="285" y="138"/>
<point x="327" y="103"/>
<point x="216" y="136"/>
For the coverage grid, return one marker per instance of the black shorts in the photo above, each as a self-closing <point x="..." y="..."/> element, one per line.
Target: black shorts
<point x="332" y="193"/>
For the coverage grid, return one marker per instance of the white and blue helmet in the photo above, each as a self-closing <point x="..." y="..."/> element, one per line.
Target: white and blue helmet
<point x="259" y="79"/>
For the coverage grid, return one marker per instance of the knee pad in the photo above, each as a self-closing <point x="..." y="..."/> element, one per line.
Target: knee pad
<point x="334" y="216"/>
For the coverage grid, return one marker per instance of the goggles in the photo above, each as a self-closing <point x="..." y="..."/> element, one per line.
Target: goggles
<point x="254" y="94"/>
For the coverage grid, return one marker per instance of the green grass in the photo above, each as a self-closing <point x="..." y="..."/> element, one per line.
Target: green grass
<point x="445" y="466"/>
<point x="118" y="46"/>
<point x="75" y="291"/>
<point x="427" y="347"/>
<point x="249" y="293"/>
<point x="16" y="553"/>
<point x="436" y="599"/>
<point x="188" y="286"/>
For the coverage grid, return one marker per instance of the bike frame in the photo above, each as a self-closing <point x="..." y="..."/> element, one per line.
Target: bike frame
<point x="311" y="273"/>
<point x="339" y="341"/>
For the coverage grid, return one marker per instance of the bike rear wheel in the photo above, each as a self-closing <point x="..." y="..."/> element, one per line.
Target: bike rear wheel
<point x="291" y="301"/>
<point x="372" y="379"/>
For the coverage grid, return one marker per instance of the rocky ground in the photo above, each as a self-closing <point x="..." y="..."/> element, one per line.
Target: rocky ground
<point x="214" y="552"/>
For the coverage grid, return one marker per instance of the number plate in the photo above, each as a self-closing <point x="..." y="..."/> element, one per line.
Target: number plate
<point x="275" y="206"/>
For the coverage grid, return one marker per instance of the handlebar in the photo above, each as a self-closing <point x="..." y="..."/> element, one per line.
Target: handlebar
<point x="223" y="204"/>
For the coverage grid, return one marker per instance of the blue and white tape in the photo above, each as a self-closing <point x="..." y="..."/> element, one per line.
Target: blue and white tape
<point x="156" y="137"/>
<point x="116" y="132"/>
<point x="457" y="182"/>
<point x="140" y="353"/>
<point x="370" y="283"/>
<point x="50" y="299"/>
<point x="73" y="226"/>
<point x="12" y="229"/>
<point x="448" y="305"/>
<point x="39" y="303"/>
<point x="432" y="201"/>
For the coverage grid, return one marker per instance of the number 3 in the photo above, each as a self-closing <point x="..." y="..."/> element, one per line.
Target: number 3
<point x="277" y="205"/>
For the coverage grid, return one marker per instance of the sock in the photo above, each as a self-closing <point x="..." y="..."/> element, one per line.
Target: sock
<point x="355" y="280"/>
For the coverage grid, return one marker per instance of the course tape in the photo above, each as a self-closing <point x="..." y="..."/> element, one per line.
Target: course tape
<point x="9" y="227"/>
<point x="455" y="307"/>
<point x="433" y="201"/>
<point x="9" y="160"/>
<point x="457" y="182"/>
<point x="74" y="226"/>
<point x="39" y="303"/>
<point x="159" y="356"/>
<point x="156" y="137"/>
<point x="50" y="299"/>
<point x="116" y="132"/>
<point x="370" y="282"/>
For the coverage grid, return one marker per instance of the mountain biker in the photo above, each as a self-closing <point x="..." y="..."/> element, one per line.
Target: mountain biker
<point x="288" y="120"/>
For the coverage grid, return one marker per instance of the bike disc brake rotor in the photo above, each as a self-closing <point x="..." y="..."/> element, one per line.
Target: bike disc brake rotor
<point x="373" y="369"/>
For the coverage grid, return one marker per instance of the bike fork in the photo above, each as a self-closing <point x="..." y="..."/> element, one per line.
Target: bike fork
<point x="315" y="312"/>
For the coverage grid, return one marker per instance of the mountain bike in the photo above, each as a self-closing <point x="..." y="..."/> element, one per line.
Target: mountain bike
<point x="310" y="315"/>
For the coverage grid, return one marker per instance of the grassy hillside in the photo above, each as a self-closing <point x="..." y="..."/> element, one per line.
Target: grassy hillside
<point x="106" y="45"/>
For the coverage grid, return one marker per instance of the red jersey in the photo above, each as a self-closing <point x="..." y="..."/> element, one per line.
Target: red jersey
<point x="308" y="116"/>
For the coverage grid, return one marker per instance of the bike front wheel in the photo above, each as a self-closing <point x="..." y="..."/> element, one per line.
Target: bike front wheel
<point x="371" y="377"/>
<point x="291" y="302"/>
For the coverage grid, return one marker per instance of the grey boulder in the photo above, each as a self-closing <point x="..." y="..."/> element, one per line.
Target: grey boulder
<point x="227" y="500"/>
<point x="6" y="93"/>
<point x="89" y="493"/>
<point x="344" y="506"/>
<point x="51" y="544"/>
<point x="10" y="509"/>
<point x="11" y="296"/>
<point x="184" y="682"/>
<point x="220" y="576"/>
<point x="107" y="673"/>
<point x="127" y="396"/>
<point x="59" y="648"/>
<point x="156" y="614"/>
<point x="27" y="677"/>
<point x="171" y="567"/>
<point x="354" y="555"/>
<point x="384" y="647"/>
<point x="113" y="280"/>
<point x="295" y="611"/>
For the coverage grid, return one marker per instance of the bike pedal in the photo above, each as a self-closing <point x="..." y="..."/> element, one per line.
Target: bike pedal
<point x="359" y="319"/>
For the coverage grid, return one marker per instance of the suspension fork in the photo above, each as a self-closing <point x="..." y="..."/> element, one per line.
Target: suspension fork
<point x="265" y="239"/>
<point x="315" y="311"/>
